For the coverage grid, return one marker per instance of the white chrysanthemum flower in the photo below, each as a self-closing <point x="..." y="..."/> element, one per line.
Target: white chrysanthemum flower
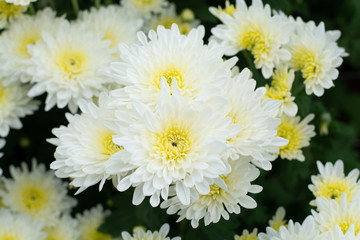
<point x="298" y="133"/>
<point x="178" y="144"/>
<point x="344" y="214"/>
<point x="254" y="28"/>
<point x="67" y="66"/>
<point x="199" y="70"/>
<point x="90" y="221"/>
<point x="257" y="118"/>
<point x="140" y="234"/>
<point x="14" y="104"/>
<point x="331" y="183"/>
<point x="294" y="231"/>
<point x="14" y="42"/>
<point x="9" y="12"/>
<point x="144" y="7"/>
<point x="65" y="228"/>
<point x="20" y="2"/>
<point x="85" y="146"/>
<point x="2" y="144"/>
<point x="316" y="54"/>
<point x="168" y="17"/>
<point x="337" y="234"/>
<point x="115" y="23"/>
<point x="228" y="9"/>
<point x="278" y="219"/>
<point x="247" y="236"/>
<point x="19" y="227"/>
<point x="280" y="89"/>
<point x="37" y="193"/>
<point x="222" y="198"/>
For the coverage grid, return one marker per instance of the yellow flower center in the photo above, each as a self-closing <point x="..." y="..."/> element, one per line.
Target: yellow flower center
<point x="3" y="93"/>
<point x="229" y="8"/>
<point x="306" y="61"/>
<point x="29" y="39"/>
<point x="173" y="145"/>
<point x="8" y="236"/>
<point x="9" y="11"/>
<point x="34" y="199"/>
<point x="72" y="64"/>
<point x="277" y="94"/>
<point x="108" y="146"/>
<point x="141" y="4"/>
<point x="184" y="27"/>
<point x="215" y="190"/>
<point x="291" y="132"/>
<point x="53" y="234"/>
<point x="247" y="237"/>
<point x="345" y="223"/>
<point x="277" y="223"/>
<point x="169" y="75"/>
<point x="334" y="188"/>
<point x="110" y="35"/>
<point x="95" y="235"/>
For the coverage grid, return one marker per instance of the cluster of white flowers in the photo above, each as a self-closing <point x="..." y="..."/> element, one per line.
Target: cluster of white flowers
<point x="337" y="213"/>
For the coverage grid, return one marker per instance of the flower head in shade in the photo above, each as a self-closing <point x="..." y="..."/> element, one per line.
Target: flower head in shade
<point x="14" y="42"/>
<point x="279" y="219"/>
<point x="198" y="69"/>
<point x="19" y="227"/>
<point x="179" y="144"/>
<point x="67" y="64"/>
<point x="228" y="9"/>
<point x="90" y="221"/>
<point x="36" y="192"/>
<point x="256" y="117"/>
<point x="14" y="104"/>
<point x="280" y="89"/>
<point x="140" y="234"/>
<point x="9" y="12"/>
<point x="316" y="54"/>
<point x="85" y="146"/>
<point x="20" y="2"/>
<point x="298" y="133"/>
<point x="224" y="197"/>
<point x="114" y="22"/>
<point x="343" y="213"/>
<point x="245" y="235"/>
<point x="144" y="7"/>
<point x="331" y="183"/>
<point x="255" y="29"/>
<point x="66" y="228"/>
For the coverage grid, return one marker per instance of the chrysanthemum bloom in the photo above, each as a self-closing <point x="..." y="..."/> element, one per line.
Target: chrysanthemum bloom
<point x="14" y="104"/>
<point x="316" y="54"/>
<point x="228" y="9"/>
<point x="65" y="228"/>
<point x="168" y="16"/>
<point x="198" y="69"/>
<point x="9" y="12"/>
<point x="344" y="214"/>
<point x="37" y="193"/>
<point x="331" y="183"/>
<point x="337" y="234"/>
<point x="298" y="133"/>
<point x="256" y="117"/>
<point x="247" y="236"/>
<point x="85" y="146"/>
<point x="255" y="29"/>
<point x="144" y="7"/>
<point x="148" y="235"/>
<point x="294" y="231"/>
<point x="115" y="23"/>
<point x="90" y="221"/>
<point x="280" y="89"/>
<point x="2" y="144"/>
<point x="279" y="219"/>
<point x="222" y="198"/>
<point x="67" y="64"/>
<point x="24" y="32"/>
<point x="20" y="2"/>
<point x="179" y="144"/>
<point x="19" y="227"/>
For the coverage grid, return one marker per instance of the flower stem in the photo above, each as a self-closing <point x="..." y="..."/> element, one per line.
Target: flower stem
<point x="97" y="3"/>
<point x="32" y="9"/>
<point x="250" y="64"/>
<point x="107" y="2"/>
<point x="75" y="5"/>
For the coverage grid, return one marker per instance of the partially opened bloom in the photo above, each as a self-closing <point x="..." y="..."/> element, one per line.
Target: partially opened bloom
<point x="179" y="144"/>
<point x="222" y="198"/>
<point x="85" y="146"/>
<point x="257" y="119"/>
<point x="19" y="227"/>
<point x="9" y="12"/>
<point x="67" y="65"/>
<point x="255" y="29"/>
<point x="331" y="183"/>
<point x="298" y="133"/>
<point x="144" y="7"/>
<point x="247" y="236"/>
<point x="278" y="219"/>
<point x="65" y="228"/>
<point x="140" y="234"/>
<point x="37" y="193"/>
<point x="316" y="54"/>
<point x="14" y="104"/>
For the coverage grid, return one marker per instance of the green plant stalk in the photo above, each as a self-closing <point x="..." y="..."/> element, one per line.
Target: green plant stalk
<point x="32" y="9"/>
<point x="250" y="64"/>
<point x="75" y="5"/>
<point x="97" y="3"/>
<point x="107" y="2"/>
